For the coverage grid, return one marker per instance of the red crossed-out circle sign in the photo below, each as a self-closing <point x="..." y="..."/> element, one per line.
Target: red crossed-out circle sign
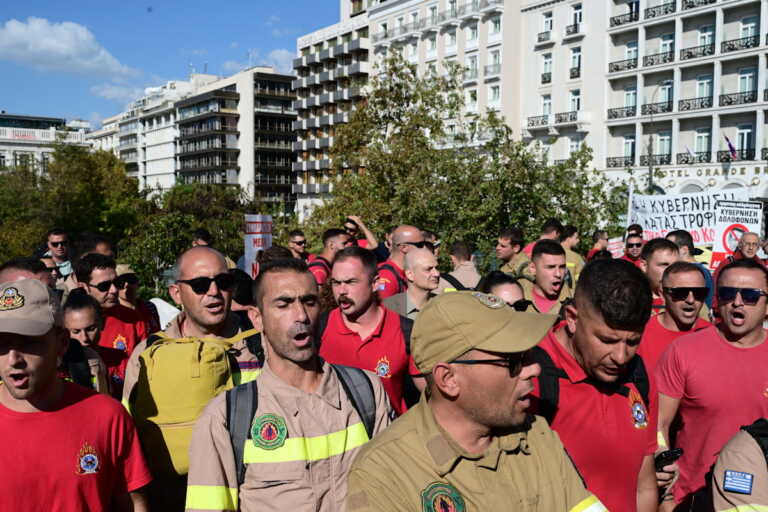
<point x="731" y="236"/>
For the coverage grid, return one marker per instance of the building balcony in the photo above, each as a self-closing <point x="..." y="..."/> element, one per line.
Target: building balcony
<point x="326" y="142"/>
<point x="619" y="161"/>
<point x="740" y="44"/>
<point x="342" y="95"/>
<point x="311" y="188"/>
<point x="495" y="69"/>
<point x="656" y="108"/>
<point x="470" y="10"/>
<point x="546" y="78"/>
<point x="738" y="98"/>
<point x="574" y="72"/>
<point x="622" y="112"/>
<point x="567" y="117"/>
<point x="544" y="37"/>
<point x="326" y="98"/>
<point x="695" y="103"/>
<point x="661" y="10"/>
<point x="573" y="30"/>
<point x="327" y="76"/>
<point x="490" y="6"/>
<point x="470" y="75"/>
<point x="764" y="154"/>
<point x="359" y="68"/>
<point x="659" y="58"/>
<point x="697" y="51"/>
<point x="622" y="65"/>
<point x="623" y="19"/>
<point x="355" y="92"/>
<point x="341" y="118"/>
<point x="692" y="4"/>
<point x="700" y="157"/>
<point x="299" y="63"/>
<point x="380" y="36"/>
<point x="539" y="121"/>
<point x="660" y="159"/>
<point x="448" y="17"/>
<point x="738" y="156"/>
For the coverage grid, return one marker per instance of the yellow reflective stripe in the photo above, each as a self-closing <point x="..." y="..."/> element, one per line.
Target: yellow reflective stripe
<point x="308" y="448"/>
<point x="211" y="497"/>
<point x="746" y="508"/>
<point x="590" y="504"/>
<point x="245" y="376"/>
<point x="660" y="439"/>
<point x="127" y="405"/>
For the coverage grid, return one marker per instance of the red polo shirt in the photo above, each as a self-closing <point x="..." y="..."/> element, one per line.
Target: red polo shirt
<point x="607" y="434"/>
<point x="383" y="352"/>
<point x="320" y="268"/>
<point x="634" y="262"/>
<point x="389" y="283"/>
<point x="656" y="338"/>
<point x="123" y="330"/>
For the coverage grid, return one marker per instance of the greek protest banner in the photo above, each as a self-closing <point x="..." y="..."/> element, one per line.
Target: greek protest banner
<point x="732" y="220"/>
<point x="258" y="236"/>
<point x="616" y="246"/>
<point x="694" y="213"/>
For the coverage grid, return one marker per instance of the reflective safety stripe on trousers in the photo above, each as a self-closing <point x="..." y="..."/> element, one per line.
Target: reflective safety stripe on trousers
<point x="590" y="504"/>
<point x="211" y="497"/>
<point x="309" y="448"/>
<point x="746" y="508"/>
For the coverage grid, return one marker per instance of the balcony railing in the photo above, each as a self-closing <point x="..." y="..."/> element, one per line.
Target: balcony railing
<point x="622" y="65"/>
<point x="546" y="78"/>
<point x="495" y="69"/>
<point x="660" y="10"/>
<point x="740" y="44"/>
<point x="470" y="74"/>
<point x="695" y="103"/>
<point x="576" y="73"/>
<point x="738" y="98"/>
<point x="660" y="159"/>
<point x="764" y="154"/>
<point x="697" y="51"/>
<point x="622" y="112"/>
<point x="700" y="157"/>
<point x="620" y="161"/>
<point x="572" y="30"/>
<point x="656" y="108"/>
<point x="738" y="155"/>
<point x="623" y="19"/>
<point x="659" y="58"/>
<point x="566" y="117"/>
<point x="538" y="121"/>
<point x="543" y="37"/>
<point x="691" y="4"/>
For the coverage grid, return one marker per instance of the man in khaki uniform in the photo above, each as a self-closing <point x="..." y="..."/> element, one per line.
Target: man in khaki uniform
<point x="573" y="260"/>
<point x="549" y="287"/>
<point x="740" y="475"/>
<point x="304" y="432"/>
<point x="469" y="444"/>
<point x="422" y="276"/>
<point x="464" y="271"/>
<point x="509" y="244"/>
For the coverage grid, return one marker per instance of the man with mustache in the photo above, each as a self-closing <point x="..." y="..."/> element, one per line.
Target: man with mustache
<point x="304" y="430"/>
<point x="423" y="278"/>
<point x="548" y="268"/>
<point x="361" y="332"/>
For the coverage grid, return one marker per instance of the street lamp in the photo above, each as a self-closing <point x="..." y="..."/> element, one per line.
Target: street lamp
<point x="650" y="135"/>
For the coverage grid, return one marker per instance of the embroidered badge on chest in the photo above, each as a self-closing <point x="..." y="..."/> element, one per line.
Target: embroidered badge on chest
<point x="384" y="368"/>
<point x="120" y="342"/>
<point x="639" y="414"/>
<point x="11" y="299"/>
<point x="269" y="432"/>
<point x="441" y="497"/>
<point x="87" y="460"/>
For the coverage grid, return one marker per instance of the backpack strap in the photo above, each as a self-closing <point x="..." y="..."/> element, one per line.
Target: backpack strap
<point x="77" y="364"/>
<point x="759" y="432"/>
<point x="401" y="284"/>
<point x="549" y="383"/>
<point x="406" y="325"/>
<point x="155" y="337"/>
<point x="253" y="343"/>
<point x="319" y="261"/>
<point x="242" y="402"/>
<point x="639" y="377"/>
<point x="359" y="390"/>
<point x="322" y="325"/>
<point x="453" y="281"/>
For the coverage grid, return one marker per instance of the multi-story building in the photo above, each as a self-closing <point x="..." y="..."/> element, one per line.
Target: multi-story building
<point x="238" y="130"/>
<point x="332" y="68"/>
<point x="28" y="140"/>
<point x="106" y="137"/>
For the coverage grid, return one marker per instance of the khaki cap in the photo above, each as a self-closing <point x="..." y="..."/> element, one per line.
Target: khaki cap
<point x="454" y="323"/>
<point x="28" y="307"/>
<point x="122" y="269"/>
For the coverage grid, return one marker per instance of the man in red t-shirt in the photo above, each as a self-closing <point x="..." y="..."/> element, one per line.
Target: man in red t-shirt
<point x="551" y="230"/>
<point x="599" y="243"/>
<point x="684" y="291"/>
<point x="633" y="246"/>
<point x="66" y="447"/>
<point x="364" y="334"/>
<point x="715" y="379"/>
<point x="334" y="240"/>
<point x="391" y="280"/>
<point x="655" y="257"/>
<point x="549" y="268"/>
<point x="606" y="409"/>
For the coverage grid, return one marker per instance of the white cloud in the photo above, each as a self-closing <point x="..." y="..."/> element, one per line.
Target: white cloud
<point x="272" y="21"/>
<point x="65" y="46"/>
<point x="117" y="93"/>
<point x="281" y="59"/>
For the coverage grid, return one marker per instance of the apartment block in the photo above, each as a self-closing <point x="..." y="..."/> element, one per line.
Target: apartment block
<point x="106" y="138"/>
<point x="27" y="140"/>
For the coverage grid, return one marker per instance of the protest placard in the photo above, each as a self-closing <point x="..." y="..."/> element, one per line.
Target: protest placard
<point x="258" y="236"/>
<point x="733" y="219"/>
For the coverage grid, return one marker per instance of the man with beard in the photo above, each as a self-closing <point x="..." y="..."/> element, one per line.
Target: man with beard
<point x="361" y="332"/>
<point x="423" y="277"/>
<point x="548" y="268"/>
<point x="470" y="444"/>
<point x="714" y="379"/>
<point x="305" y="428"/>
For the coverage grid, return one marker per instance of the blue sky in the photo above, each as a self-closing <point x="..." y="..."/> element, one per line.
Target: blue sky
<point x="86" y="59"/>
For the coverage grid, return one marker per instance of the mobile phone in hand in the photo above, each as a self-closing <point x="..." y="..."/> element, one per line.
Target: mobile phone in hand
<point x="666" y="458"/>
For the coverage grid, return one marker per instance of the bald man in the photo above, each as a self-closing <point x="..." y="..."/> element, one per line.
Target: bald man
<point x="747" y="249"/>
<point x="392" y="279"/>
<point x="423" y="277"/>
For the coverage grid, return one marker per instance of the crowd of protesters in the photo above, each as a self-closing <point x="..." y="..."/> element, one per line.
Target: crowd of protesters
<point x="364" y="378"/>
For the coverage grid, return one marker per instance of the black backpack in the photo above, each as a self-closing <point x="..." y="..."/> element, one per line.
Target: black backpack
<point x="243" y="401"/>
<point x="549" y="382"/>
<point x="402" y="285"/>
<point x="75" y="364"/>
<point x="759" y="432"/>
<point x="453" y="281"/>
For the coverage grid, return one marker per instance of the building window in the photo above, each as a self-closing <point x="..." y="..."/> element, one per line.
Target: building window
<point x="472" y="99"/>
<point x="747" y="79"/>
<point x="633" y="6"/>
<point x="667" y="43"/>
<point x="665" y="92"/>
<point x="495" y="57"/>
<point x="546" y="63"/>
<point x="665" y="143"/>
<point x="472" y="33"/>
<point x="575" y="102"/>
<point x="576" y="57"/>
<point x="706" y="35"/>
<point x="630" y="96"/>
<point x="413" y="49"/>
<point x="574" y="144"/>
<point x="433" y="13"/>
<point x="629" y="146"/>
<point x="702" y="140"/>
<point x="631" y="50"/>
<point x="704" y="86"/>
<point x="546" y="105"/>
<point x="451" y="38"/>
<point x="472" y="65"/>
<point x="432" y="44"/>
<point x="383" y="29"/>
<point x="496" y="25"/>
<point x="749" y="26"/>
<point x="547" y="21"/>
<point x="576" y="14"/>
<point x="744" y="139"/>
<point x="414" y="19"/>
<point x="494" y="94"/>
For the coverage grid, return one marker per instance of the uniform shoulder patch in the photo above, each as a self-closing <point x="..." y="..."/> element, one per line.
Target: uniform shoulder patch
<point x="441" y="497"/>
<point x="738" y="482"/>
<point x="11" y="299"/>
<point x="268" y="432"/>
<point x="489" y="300"/>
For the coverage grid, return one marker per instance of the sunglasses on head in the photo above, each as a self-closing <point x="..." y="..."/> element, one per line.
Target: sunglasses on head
<point x="682" y="292"/>
<point x="520" y="305"/>
<point x="103" y="286"/>
<point x="749" y="296"/>
<point x="59" y="244"/>
<point x="201" y="285"/>
<point x="634" y="246"/>
<point x="121" y="281"/>
<point x="514" y="362"/>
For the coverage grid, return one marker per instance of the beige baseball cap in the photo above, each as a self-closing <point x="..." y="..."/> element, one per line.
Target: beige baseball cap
<point x="122" y="269"/>
<point x="28" y="307"/>
<point x="454" y="323"/>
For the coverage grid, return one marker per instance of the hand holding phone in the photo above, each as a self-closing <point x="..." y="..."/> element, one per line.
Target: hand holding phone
<point x="666" y="458"/>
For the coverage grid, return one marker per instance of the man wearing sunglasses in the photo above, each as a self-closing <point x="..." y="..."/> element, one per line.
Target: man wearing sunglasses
<point x="633" y="246"/>
<point x="594" y="390"/>
<point x="297" y="244"/>
<point x="714" y="379"/>
<point x="391" y="274"/>
<point x="127" y="283"/>
<point x="470" y="443"/>
<point x="57" y="245"/>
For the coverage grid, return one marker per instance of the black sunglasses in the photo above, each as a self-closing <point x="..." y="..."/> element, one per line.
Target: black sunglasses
<point x="201" y="285"/>
<point x="750" y="296"/>
<point x="121" y="281"/>
<point x="514" y="362"/>
<point x="103" y="286"/>
<point x="681" y="292"/>
<point x="421" y="245"/>
<point x="634" y="246"/>
<point x="520" y="305"/>
<point x="59" y="244"/>
<point x="299" y="242"/>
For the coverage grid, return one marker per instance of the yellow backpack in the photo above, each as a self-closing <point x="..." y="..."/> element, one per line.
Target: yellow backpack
<point x="177" y="379"/>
